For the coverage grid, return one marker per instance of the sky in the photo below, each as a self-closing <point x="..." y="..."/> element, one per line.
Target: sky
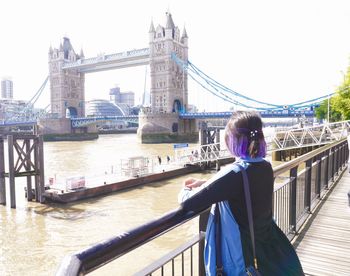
<point x="277" y="51"/>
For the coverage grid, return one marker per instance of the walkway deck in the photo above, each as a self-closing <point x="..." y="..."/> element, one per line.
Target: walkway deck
<point x="324" y="249"/>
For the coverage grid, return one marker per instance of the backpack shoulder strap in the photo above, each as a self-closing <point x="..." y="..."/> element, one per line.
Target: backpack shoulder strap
<point x="249" y="210"/>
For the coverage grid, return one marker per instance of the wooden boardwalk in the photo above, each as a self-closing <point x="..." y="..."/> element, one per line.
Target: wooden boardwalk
<point x="324" y="248"/>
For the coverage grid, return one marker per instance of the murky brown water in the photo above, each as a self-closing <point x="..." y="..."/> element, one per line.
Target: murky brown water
<point x="34" y="238"/>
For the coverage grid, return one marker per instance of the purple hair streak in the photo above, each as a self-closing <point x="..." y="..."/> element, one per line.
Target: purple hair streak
<point x="244" y="136"/>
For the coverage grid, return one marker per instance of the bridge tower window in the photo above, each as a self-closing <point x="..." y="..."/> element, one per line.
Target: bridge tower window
<point x="175" y="127"/>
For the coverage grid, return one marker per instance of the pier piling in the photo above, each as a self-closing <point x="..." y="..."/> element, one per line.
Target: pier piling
<point x="29" y="177"/>
<point x="22" y="149"/>
<point x="11" y="171"/>
<point x="2" y="173"/>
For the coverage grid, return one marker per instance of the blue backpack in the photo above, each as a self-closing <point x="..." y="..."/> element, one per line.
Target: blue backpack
<point x="231" y="247"/>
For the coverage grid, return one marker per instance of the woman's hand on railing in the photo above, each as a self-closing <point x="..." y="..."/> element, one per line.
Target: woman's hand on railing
<point x="187" y="191"/>
<point x="191" y="183"/>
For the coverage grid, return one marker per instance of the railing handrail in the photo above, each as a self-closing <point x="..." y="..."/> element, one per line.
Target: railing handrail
<point x="280" y="169"/>
<point x="173" y="254"/>
<point x="97" y="255"/>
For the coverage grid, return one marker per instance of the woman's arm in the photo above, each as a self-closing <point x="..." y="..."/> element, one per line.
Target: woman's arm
<point x="223" y="186"/>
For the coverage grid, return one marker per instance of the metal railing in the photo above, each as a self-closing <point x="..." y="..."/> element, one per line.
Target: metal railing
<point x="263" y="114"/>
<point x="170" y="258"/>
<point x="201" y="154"/>
<point x="300" y="184"/>
<point x="85" y="121"/>
<point x="308" y="136"/>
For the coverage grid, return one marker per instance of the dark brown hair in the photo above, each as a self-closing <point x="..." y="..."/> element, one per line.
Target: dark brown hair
<point x="244" y="136"/>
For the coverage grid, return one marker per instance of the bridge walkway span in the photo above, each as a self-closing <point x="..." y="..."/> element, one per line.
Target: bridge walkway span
<point x="324" y="248"/>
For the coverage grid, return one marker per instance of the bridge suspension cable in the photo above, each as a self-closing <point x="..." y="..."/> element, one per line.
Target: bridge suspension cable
<point x="251" y="99"/>
<point x="36" y="96"/>
<point x="214" y="83"/>
<point x="220" y="90"/>
<point x="31" y="102"/>
<point x="223" y="96"/>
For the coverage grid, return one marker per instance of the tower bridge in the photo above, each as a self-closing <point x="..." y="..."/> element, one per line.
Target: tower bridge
<point x="168" y="90"/>
<point x="167" y="119"/>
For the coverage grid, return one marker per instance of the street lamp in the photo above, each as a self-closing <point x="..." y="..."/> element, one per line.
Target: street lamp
<point x="328" y="108"/>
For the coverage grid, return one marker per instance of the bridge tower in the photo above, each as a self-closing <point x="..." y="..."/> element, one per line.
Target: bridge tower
<point x="169" y="90"/>
<point x="169" y="81"/>
<point x="67" y="86"/>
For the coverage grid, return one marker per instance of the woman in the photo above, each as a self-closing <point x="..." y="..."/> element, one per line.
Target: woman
<point x="245" y="140"/>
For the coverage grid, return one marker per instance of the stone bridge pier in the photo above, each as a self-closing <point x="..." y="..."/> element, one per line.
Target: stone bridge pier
<point x="166" y="128"/>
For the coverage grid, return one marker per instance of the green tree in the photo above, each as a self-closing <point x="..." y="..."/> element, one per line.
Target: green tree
<point x="322" y="111"/>
<point x="341" y="101"/>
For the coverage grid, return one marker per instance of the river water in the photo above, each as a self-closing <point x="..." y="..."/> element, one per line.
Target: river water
<point x="35" y="237"/>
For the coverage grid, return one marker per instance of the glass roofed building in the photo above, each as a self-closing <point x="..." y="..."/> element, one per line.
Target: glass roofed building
<point x="105" y="108"/>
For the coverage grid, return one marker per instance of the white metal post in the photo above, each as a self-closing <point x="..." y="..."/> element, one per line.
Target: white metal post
<point x="328" y="108"/>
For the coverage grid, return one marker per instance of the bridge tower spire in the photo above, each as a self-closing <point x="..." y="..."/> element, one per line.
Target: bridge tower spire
<point x="169" y="95"/>
<point x="67" y="86"/>
<point x="169" y="81"/>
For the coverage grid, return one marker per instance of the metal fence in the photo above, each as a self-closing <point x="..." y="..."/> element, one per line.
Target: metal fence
<point x="300" y="184"/>
<point x="308" y="136"/>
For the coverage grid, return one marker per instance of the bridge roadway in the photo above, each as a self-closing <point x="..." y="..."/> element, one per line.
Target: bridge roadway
<point x="324" y="246"/>
<point x="264" y="114"/>
<point x="79" y="122"/>
<point x="84" y="121"/>
<point x="103" y="62"/>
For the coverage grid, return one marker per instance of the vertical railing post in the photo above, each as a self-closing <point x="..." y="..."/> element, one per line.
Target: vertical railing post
<point x="11" y="172"/>
<point x="341" y="156"/>
<point x="293" y="198"/>
<point x="346" y="153"/>
<point x="336" y="156"/>
<point x="326" y="170"/>
<point x="308" y="175"/>
<point x="339" y="159"/>
<point x="273" y="202"/>
<point x="203" y="220"/>
<point x="332" y="164"/>
<point x="2" y="173"/>
<point x="342" y="151"/>
<point x="318" y="175"/>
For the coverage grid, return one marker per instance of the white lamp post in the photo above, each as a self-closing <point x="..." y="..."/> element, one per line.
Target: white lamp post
<point x="328" y="109"/>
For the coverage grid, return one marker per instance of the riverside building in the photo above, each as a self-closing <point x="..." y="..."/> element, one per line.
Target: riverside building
<point x="6" y="88"/>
